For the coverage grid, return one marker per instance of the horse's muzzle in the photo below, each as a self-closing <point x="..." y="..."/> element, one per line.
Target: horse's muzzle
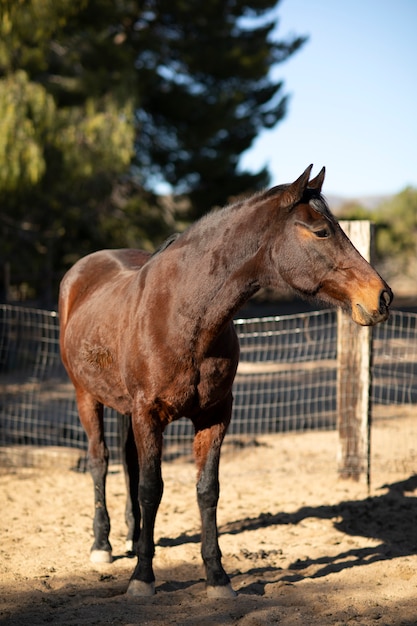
<point x="370" y="318"/>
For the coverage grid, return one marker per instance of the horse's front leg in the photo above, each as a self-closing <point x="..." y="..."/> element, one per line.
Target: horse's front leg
<point x="91" y="416"/>
<point x="147" y="430"/>
<point x="210" y="432"/>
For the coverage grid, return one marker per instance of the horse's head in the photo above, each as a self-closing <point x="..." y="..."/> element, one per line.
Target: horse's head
<point x="317" y="259"/>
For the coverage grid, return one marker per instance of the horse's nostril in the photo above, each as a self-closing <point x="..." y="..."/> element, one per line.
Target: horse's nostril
<point x="385" y="298"/>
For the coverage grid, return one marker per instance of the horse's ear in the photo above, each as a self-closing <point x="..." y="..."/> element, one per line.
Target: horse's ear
<point x="295" y="191"/>
<point x="317" y="182"/>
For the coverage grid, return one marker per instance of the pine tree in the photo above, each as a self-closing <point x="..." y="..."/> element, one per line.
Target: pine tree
<point x="206" y="93"/>
<point x="101" y="100"/>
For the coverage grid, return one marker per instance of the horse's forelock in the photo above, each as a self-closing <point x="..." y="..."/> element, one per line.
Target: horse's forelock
<point x="319" y="204"/>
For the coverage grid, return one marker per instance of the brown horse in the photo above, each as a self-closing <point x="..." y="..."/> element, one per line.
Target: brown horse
<point x="152" y="336"/>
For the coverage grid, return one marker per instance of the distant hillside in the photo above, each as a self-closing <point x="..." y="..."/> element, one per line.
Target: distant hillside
<point x="369" y="202"/>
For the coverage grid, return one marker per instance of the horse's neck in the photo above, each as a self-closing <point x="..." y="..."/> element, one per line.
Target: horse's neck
<point x="219" y="272"/>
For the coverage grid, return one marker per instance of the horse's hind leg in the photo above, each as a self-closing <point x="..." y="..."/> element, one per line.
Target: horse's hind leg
<point x="210" y="431"/>
<point x="91" y="416"/>
<point x="131" y="470"/>
<point x="148" y="438"/>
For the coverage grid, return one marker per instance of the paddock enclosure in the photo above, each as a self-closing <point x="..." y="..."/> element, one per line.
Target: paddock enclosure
<point x="301" y="545"/>
<point x="286" y="381"/>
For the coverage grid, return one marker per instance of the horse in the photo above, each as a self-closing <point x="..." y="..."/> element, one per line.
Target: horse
<point x="152" y="336"/>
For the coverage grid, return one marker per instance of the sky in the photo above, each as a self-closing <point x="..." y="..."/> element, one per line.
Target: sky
<point x="353" y="97"/>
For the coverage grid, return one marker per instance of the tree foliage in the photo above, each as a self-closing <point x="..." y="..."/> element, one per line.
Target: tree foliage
<point x="398" y="216"/>
<point x="101" y="100"/>
<point x="396" y="229"/>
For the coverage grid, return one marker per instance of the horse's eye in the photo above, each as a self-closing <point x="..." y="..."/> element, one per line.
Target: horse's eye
<point x="322" y="233"/>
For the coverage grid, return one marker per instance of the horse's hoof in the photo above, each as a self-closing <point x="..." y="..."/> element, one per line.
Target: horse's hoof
<point x="101" y="556"/>
<point x="223" y="591"/>
<point x="140" y="589"/>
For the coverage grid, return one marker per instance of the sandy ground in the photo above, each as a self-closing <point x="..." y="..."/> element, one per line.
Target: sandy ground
<point x="301" y="546"/>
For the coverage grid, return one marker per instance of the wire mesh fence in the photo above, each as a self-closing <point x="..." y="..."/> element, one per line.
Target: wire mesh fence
<point x="286" y="380"/>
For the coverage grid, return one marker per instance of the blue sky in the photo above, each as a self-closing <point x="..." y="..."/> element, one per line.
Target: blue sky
<point x="353" y="105"/>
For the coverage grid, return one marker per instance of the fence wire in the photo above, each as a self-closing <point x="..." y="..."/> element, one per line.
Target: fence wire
<point x="286" y="379"/>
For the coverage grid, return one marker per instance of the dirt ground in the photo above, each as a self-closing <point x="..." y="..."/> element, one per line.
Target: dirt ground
<point x="302" y="547"/>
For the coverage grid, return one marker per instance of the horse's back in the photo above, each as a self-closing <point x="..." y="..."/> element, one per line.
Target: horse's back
<point x="96" y="272"/>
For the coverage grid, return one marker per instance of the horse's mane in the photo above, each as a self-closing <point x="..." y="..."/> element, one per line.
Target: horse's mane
<point x="310" y="196"/>
<point x="164" y="245"/>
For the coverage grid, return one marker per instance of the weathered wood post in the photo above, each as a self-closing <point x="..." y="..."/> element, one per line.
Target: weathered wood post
<point x="354" y="356"/>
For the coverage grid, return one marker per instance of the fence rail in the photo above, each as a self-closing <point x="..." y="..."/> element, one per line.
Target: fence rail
<point x="286" y="380"/>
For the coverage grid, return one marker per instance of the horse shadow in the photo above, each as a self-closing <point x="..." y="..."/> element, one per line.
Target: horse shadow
<point x="390" y="518"/>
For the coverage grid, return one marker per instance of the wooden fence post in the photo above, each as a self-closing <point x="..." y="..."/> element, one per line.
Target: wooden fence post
<point x="354" y="355"/>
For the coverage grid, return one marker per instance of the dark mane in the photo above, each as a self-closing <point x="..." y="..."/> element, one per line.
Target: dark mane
<point x="310" y="196"/>
<point x="263" y="195"/>
<point x="164" y="245"/>
<point x="214" y="217"/>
